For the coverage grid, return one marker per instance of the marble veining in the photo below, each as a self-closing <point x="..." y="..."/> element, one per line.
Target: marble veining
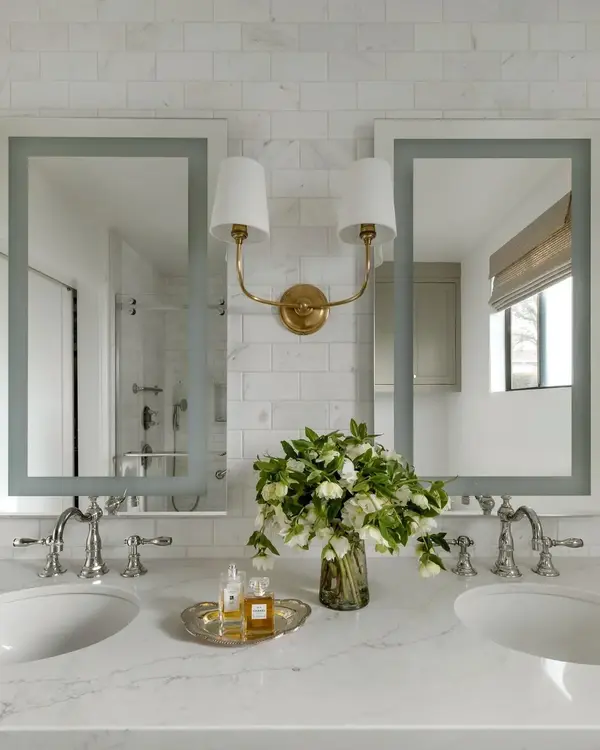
<point x="405" y="664"/>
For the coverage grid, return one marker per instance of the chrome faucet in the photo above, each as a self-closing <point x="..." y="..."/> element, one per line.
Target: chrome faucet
<point x="486" y="503"/>
<point x="114" y="503"/>
<point x="505" y="565"/>
<point x="93" y="566"/>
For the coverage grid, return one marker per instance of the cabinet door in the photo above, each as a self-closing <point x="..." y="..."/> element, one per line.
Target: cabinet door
<point x="384" y="333"/>
<point x="434" y="333"/>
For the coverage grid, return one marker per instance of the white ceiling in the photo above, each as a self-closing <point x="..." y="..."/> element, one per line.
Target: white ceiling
<point x="459" y="202"/>
<point x="145" y="200"/>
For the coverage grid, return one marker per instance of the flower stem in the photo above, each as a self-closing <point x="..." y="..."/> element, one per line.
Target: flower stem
<point x="348" y="574"/>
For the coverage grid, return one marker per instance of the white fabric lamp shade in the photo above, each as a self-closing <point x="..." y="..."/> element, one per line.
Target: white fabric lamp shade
<point x="367" y="198"/>
<point x="240" y="198"/>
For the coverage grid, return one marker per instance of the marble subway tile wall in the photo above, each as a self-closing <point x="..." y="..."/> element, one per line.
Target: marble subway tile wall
<point x="299" y="83"/>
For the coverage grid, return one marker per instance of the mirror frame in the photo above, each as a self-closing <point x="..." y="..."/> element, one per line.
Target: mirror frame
<point x="400" y="143"/>
<point x="204" y="144"/>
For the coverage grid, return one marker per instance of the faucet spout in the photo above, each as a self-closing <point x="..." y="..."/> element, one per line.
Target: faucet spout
<point x="59" y="528"/>
<point x="537" y="533"/>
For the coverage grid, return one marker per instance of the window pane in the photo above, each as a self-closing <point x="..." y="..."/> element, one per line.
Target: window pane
<point x="524" y="343"/>
<point x="558" y="334"/>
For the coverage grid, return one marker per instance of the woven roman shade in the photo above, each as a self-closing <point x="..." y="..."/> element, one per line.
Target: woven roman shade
<point x="536" y="258"/>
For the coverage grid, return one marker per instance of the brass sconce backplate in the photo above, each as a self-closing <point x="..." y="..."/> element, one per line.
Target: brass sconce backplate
<point x="307" y="312"/>
<point x="303" y="308"/>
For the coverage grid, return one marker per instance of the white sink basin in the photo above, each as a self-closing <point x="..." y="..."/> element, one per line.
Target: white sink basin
<point x="41" y="622"/>
<point x="548" y="621"/>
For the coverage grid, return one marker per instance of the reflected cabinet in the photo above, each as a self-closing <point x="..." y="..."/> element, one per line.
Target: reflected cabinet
<point x="436" y="325"/>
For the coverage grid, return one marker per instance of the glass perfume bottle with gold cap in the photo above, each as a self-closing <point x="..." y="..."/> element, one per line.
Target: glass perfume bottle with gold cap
<point x="259" y="609"/>
<point x="231" y="599"/>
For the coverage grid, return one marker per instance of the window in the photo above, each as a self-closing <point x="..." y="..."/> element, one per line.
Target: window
<point x="538" y="339"/>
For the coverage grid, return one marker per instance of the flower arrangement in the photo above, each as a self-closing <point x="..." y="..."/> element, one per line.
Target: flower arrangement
<point x="344" y="490"/>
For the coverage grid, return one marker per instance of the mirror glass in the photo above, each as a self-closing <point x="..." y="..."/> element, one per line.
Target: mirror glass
<point x="492" y="319"/>
<point x="109" y="391"/>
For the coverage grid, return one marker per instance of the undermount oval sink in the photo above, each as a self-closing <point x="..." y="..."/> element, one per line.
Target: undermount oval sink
<point x="553" y="622"/>
<point x="48" y="621"/>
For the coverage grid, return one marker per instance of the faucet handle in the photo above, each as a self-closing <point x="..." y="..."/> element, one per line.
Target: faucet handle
<point x="486" y="503"/>
<point x="464" y="566"/>
<point x="463" y="541"/>
<point x="159" y="541"/>
<point x="134" y="567"/>
<point x="28" y="542"/>
<point x="545" y="566"/>
<point x="573" y="542"/>
<point x="53" y="565"/>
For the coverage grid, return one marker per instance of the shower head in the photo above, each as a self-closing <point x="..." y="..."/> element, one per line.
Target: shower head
<point x="178" y="407"/>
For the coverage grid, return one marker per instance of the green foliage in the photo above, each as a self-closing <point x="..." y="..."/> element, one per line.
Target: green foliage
<point x="336" y="486"/>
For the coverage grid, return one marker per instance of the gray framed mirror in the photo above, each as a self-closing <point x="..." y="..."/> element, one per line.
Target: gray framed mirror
<point x="483" y="306"/>
<point x="116" y="315"/>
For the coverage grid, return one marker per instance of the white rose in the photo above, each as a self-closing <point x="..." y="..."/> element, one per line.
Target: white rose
<point x="420" y="501"/>
<point x="262" y="561"/>
<point x="369" y="503"/>
<point x="371" y="532"/>
<point x="354" y="451"/>
<point x="329" y="491"/>
<point x="348" y="473"/>
<point x="328" y="554"/>
<point x="353" y="516"/>
<point x="392" y="456"/>
<point x="327" y="457"/>
<point x="274" y="491"/>
<point x="325" y="534"/>
<point x="294" y="465"/>
<point x="403" y="495"/>
<point x="280" y="519"/>
<point x="341" y="545"/>
<point x="429" y="569"/>
<point x="422" y="525"/>
<point x="298" y="540"/>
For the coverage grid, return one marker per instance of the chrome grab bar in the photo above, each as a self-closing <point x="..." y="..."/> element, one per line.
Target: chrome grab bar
<point x="172" y="454"/>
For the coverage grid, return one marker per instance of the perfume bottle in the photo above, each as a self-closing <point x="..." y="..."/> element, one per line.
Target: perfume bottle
<point x="259" y="609"/>
<point x="231" y="598"/>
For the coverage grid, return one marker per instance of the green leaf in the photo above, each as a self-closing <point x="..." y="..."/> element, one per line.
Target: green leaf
<point x="333" y="509"/>
<point x="301" y="445"/>
<point x="385" y="533"/>
<point x="354" y="428"/>
<point x="260" y="540"/>
<point x="318" y="505"/>
<point x="311" y="434"/>
<point x="437" y="560"/>
<point x="288" y="450"/>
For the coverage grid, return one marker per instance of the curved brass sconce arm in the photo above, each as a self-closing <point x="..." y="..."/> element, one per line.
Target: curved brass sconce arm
<point x="303" y="308"/>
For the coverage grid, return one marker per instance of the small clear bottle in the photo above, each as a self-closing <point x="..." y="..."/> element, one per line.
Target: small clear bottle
<point x="231" y="599"/>
<point x="259" y="610"/>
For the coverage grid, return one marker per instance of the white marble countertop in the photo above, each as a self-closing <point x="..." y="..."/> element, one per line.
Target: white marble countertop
<point x="404" y="664"/>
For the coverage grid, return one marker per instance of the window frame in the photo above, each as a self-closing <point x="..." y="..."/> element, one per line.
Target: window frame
<point x="541" y="349"/>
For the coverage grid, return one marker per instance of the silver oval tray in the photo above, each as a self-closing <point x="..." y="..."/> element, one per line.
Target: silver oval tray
<point x="202" y="621"/>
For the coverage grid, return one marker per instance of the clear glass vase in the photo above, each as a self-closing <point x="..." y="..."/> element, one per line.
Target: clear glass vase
<point x="344" y="583"/>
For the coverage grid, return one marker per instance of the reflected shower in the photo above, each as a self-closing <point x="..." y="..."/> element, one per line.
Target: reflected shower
<point x="178" y="407"/>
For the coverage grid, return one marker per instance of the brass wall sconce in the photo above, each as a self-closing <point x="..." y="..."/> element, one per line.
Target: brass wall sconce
<point x="365" y="216"/>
